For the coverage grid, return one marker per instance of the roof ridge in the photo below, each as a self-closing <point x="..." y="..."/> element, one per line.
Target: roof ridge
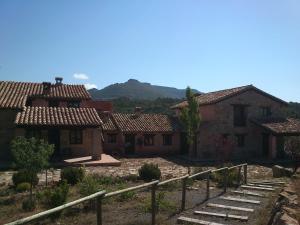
<point x="227" y="89"/>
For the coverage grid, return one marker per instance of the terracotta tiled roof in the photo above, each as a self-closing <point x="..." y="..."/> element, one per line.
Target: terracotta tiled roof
<point x="217" y="96"/>
<point x="145" y="122"/>
<point x="280" y="125"/>
<point x="108" y="123"/>
<point x="58" y="116"/>
<point x="15" y="94"/>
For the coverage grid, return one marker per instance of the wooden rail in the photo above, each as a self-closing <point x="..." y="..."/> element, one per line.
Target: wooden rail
<point x="99" y="196"/>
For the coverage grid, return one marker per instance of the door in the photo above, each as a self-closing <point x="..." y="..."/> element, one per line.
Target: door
<point x="129" y="144"/>
<point x="54" y="138"/>
<point x="265" y="144"/>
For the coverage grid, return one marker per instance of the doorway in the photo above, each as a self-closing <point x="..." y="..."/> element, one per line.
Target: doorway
<point x="54" y="138"/>
<point x="265" y="144"/>
<point x="129" y="144"/>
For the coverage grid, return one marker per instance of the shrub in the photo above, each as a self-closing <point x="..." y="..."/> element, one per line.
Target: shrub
<point x="72" y="175"/>
<point x="149" y="171"/>
<point x="24" y="177"/>
<point x="232" y="178"/>
<point x="88" y="186"/>
<point x="23" y="187"/>
<point x="131" y="177"/>
<point x="56" y="196"/>
<point x="29" y="204"/>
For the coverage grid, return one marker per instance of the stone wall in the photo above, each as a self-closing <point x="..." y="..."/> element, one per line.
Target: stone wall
<point x="218" y="120"/>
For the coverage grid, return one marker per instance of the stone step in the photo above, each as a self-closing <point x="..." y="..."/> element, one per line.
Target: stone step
<point x="222" y="215"/>
<point x="250" y="193"/>
<point x="230" y="198"/>
<point x="257" y="188"/>
<point x="230" y="207"/>
<point x="268" y="182"/>
<point x="260" y="185"/>
<point x="187" y="220"/>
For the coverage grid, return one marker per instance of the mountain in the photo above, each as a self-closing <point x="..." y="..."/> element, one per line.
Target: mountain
<point x="134" y="89"/>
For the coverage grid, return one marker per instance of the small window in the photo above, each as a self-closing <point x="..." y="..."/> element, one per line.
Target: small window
<point x="266" y="111"/>
<point x="239" y="115"/>
<point x="240" y="139"/>
<point x="73" y="104"/>
<point x="111" y="138"/>
<point x="33" y="133"/>
<point x="76" y="137"/>
<point x="29" y="102"/>
<point x="148" y="139"/>
<point x="53" y="103"/>
<point x="167" y="139"/>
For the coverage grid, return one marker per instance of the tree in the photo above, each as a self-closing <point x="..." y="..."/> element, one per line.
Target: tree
<point x="31" y="155"/>
<point x="292" y="148"/>
<point x="190" y="119"/>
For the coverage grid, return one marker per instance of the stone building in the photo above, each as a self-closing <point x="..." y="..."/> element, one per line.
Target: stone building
<point x="59" y="113"/>
<point x="240" y="123"/>
<point x="140" y="133"/>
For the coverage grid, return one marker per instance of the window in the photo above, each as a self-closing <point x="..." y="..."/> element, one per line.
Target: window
<point x="53" y="103"/>
<point x="29" y="102"/>
<point x="73" y="104"/>
<point x="240" y="139"/>
<point x="111" y="138"/>
<point x="266" y="111"/>
<point x="76" y="137"/>
<point x="239" y="115"/>
<point x="33" y="133"/>
<point x="148" y="139"/>
<point x="167" y="139"/>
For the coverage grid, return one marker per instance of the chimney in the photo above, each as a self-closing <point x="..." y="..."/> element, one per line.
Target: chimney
<point x="58" y="80"/>
<point x="46" y="88"/>
<point x="138" y="111"/>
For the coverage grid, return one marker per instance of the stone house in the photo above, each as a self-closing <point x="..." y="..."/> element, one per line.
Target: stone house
<point x="59" y="113"/>
<point x="140" y="133"/>
<point x="240" y="123"/>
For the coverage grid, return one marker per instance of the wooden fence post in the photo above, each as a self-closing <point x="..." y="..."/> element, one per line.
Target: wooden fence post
<point x="226" y="171"/>
<point x="99" y="210"/>
<point x="245" y="173"/>
<point x="239" y="175"/>
<point x="183" y="197"/>
<point x="153" y="203"/>
<point x="207" y="185"/>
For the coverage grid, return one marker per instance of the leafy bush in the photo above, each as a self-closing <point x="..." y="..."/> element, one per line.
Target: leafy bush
<point x="131" y="177"/>
<point x="56" y="196"/>
<point x="109" y="180"/>
<point x="149" y="171"/>
<point x="72" y="175"/>
<point x="29" y="204"/>
<point x="232" y="178"/>
<point x="23" y="187"/>
<point x="24" y="177"/>
<point x="89" y="185"/>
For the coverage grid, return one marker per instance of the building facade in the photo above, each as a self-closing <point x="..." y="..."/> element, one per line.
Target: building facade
<point x="58" y="113"/>
<point x="241" y="123"/>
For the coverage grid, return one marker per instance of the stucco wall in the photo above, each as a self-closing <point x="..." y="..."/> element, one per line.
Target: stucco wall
<point x="7" y="131"/>
<point x="210" y="138"/>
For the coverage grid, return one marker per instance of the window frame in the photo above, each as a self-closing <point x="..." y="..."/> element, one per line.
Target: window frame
<point x="167" y="139"/>
<point x="240" y="117"/>
<point x="77" y="139"/>
<point x="149" y="139"/>
<point x="73" y="104"/>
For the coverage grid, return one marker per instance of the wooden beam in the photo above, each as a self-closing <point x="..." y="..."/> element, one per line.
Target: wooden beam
<point x="260" y="185"/>
<point x="187" y="220"/>
<point x="222" y="215"/>
<point x="249" y="193"/>
<point x="230" y="207"/>
<point x="240" y="200"/>
<point x="257" y="188"/>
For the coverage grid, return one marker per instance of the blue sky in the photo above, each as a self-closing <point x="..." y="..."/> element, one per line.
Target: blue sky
<point x="208" y="45"/>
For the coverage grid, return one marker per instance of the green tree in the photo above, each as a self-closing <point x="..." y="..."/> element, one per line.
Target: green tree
<point x="292" y="148"/>
<point x="31" y="155"/>
<point x="190" y="119"/>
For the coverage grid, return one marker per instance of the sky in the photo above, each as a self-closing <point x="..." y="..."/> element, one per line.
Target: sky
<point x="206" y="44"/>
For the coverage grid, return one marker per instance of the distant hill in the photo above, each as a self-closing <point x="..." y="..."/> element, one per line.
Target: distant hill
<point x="134" y="89"/>
<point x="293" y="110"/>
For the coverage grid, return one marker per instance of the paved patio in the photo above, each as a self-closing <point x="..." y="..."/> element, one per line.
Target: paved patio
<point x="106" y="160"/>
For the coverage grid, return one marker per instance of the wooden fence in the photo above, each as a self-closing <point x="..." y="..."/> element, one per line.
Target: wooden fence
<point x="99" y="196"/>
